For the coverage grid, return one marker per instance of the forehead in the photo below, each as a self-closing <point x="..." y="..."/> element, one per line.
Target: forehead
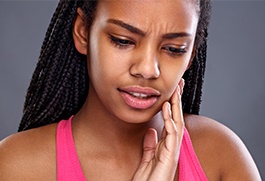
<point x="181" y="14"/>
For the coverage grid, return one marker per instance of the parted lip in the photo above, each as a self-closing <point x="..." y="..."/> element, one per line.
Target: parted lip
<point x="141" y="90"/>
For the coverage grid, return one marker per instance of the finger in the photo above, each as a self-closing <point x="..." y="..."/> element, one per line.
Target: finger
<point x="176" y="105"/>
<point x="170" y="129"/>
<point x="181" y="85"/>
<point x="177" y="113"/>
<point x="164" y="133"/>
<point x="149" y="146"/>
<point x="167" y="114"/>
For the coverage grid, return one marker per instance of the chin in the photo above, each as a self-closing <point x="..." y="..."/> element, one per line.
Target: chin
<point x="139" y="117"/>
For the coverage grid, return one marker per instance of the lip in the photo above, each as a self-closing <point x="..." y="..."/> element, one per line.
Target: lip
<point x="139" y="97"/>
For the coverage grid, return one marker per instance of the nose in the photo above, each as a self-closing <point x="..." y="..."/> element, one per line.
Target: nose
<point x="145" y="65"/>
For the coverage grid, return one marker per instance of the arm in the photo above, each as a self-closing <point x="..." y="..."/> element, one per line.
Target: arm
<point x="29" y="155"/>
<point x="221" y="152"/>
<point x="13" y="165"/>
<point x="239" y="164"/>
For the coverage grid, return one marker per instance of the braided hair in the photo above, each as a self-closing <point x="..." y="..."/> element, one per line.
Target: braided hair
<point x="59" y="84"/>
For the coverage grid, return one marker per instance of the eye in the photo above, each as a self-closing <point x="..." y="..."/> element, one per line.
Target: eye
<point x="173" y="51"/>
<point x="120" y="42"/>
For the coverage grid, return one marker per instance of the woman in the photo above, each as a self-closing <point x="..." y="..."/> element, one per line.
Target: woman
<point x="113" y="70"/>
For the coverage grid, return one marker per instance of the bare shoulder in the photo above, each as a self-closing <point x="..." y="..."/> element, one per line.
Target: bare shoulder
<point x="29" y="155"/>
<point x="220" y="151"/>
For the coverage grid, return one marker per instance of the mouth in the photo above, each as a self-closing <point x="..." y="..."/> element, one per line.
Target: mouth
<point x="139" y="97"/>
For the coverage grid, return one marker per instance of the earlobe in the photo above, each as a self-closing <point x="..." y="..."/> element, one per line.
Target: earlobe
<point x="80" y="33"/>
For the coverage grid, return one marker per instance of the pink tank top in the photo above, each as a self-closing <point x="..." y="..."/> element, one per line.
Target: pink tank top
<point x="69" y="168"/>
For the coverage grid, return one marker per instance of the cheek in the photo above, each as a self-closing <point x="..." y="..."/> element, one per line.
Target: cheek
<point x="172" y="72"/>
<point x="106" y="66"/>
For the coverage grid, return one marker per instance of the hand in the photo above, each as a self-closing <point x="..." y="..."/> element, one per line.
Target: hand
<point x="160" y="160"/>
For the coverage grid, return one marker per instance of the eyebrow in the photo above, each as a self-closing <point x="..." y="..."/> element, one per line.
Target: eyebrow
<point x="127" y="26"/>
<point x="176" y="35"/>
<point x="142" y="33"/>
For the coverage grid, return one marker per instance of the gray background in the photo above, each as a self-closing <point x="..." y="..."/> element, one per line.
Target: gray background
<point x="234" y="83"/>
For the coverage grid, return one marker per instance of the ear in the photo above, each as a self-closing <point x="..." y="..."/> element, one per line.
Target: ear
<point x="191" y="57"/>
<point x="80" y="33"/>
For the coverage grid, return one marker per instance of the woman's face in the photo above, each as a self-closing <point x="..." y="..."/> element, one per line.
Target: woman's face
<point x="137" y="54"/>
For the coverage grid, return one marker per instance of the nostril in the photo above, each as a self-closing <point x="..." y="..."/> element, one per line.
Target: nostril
<point x="145" y="70"/>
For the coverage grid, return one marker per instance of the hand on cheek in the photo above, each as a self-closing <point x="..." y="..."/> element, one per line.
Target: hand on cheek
<point x="160" y="159"/>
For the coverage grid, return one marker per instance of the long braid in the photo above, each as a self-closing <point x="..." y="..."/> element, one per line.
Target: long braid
<point x="201" y="71"/>
<point x="194" y="76"/>
<point x="41" y="64"/>
<point x="59" y="84"/>
<point x="58" y="87"/>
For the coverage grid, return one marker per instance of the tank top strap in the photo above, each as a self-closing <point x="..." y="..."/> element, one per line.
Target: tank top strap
<point x="67" y="162"/>
<point x="189" y="166"/>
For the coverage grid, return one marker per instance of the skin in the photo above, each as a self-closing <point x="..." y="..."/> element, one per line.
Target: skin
<point x="129" y="143"/>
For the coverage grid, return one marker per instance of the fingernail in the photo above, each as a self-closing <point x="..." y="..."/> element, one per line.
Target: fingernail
<point x="183" y="80"/>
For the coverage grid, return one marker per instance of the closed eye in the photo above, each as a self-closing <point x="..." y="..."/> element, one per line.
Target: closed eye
<point x="173" y="51"/>
<point x="120" y="42"/>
